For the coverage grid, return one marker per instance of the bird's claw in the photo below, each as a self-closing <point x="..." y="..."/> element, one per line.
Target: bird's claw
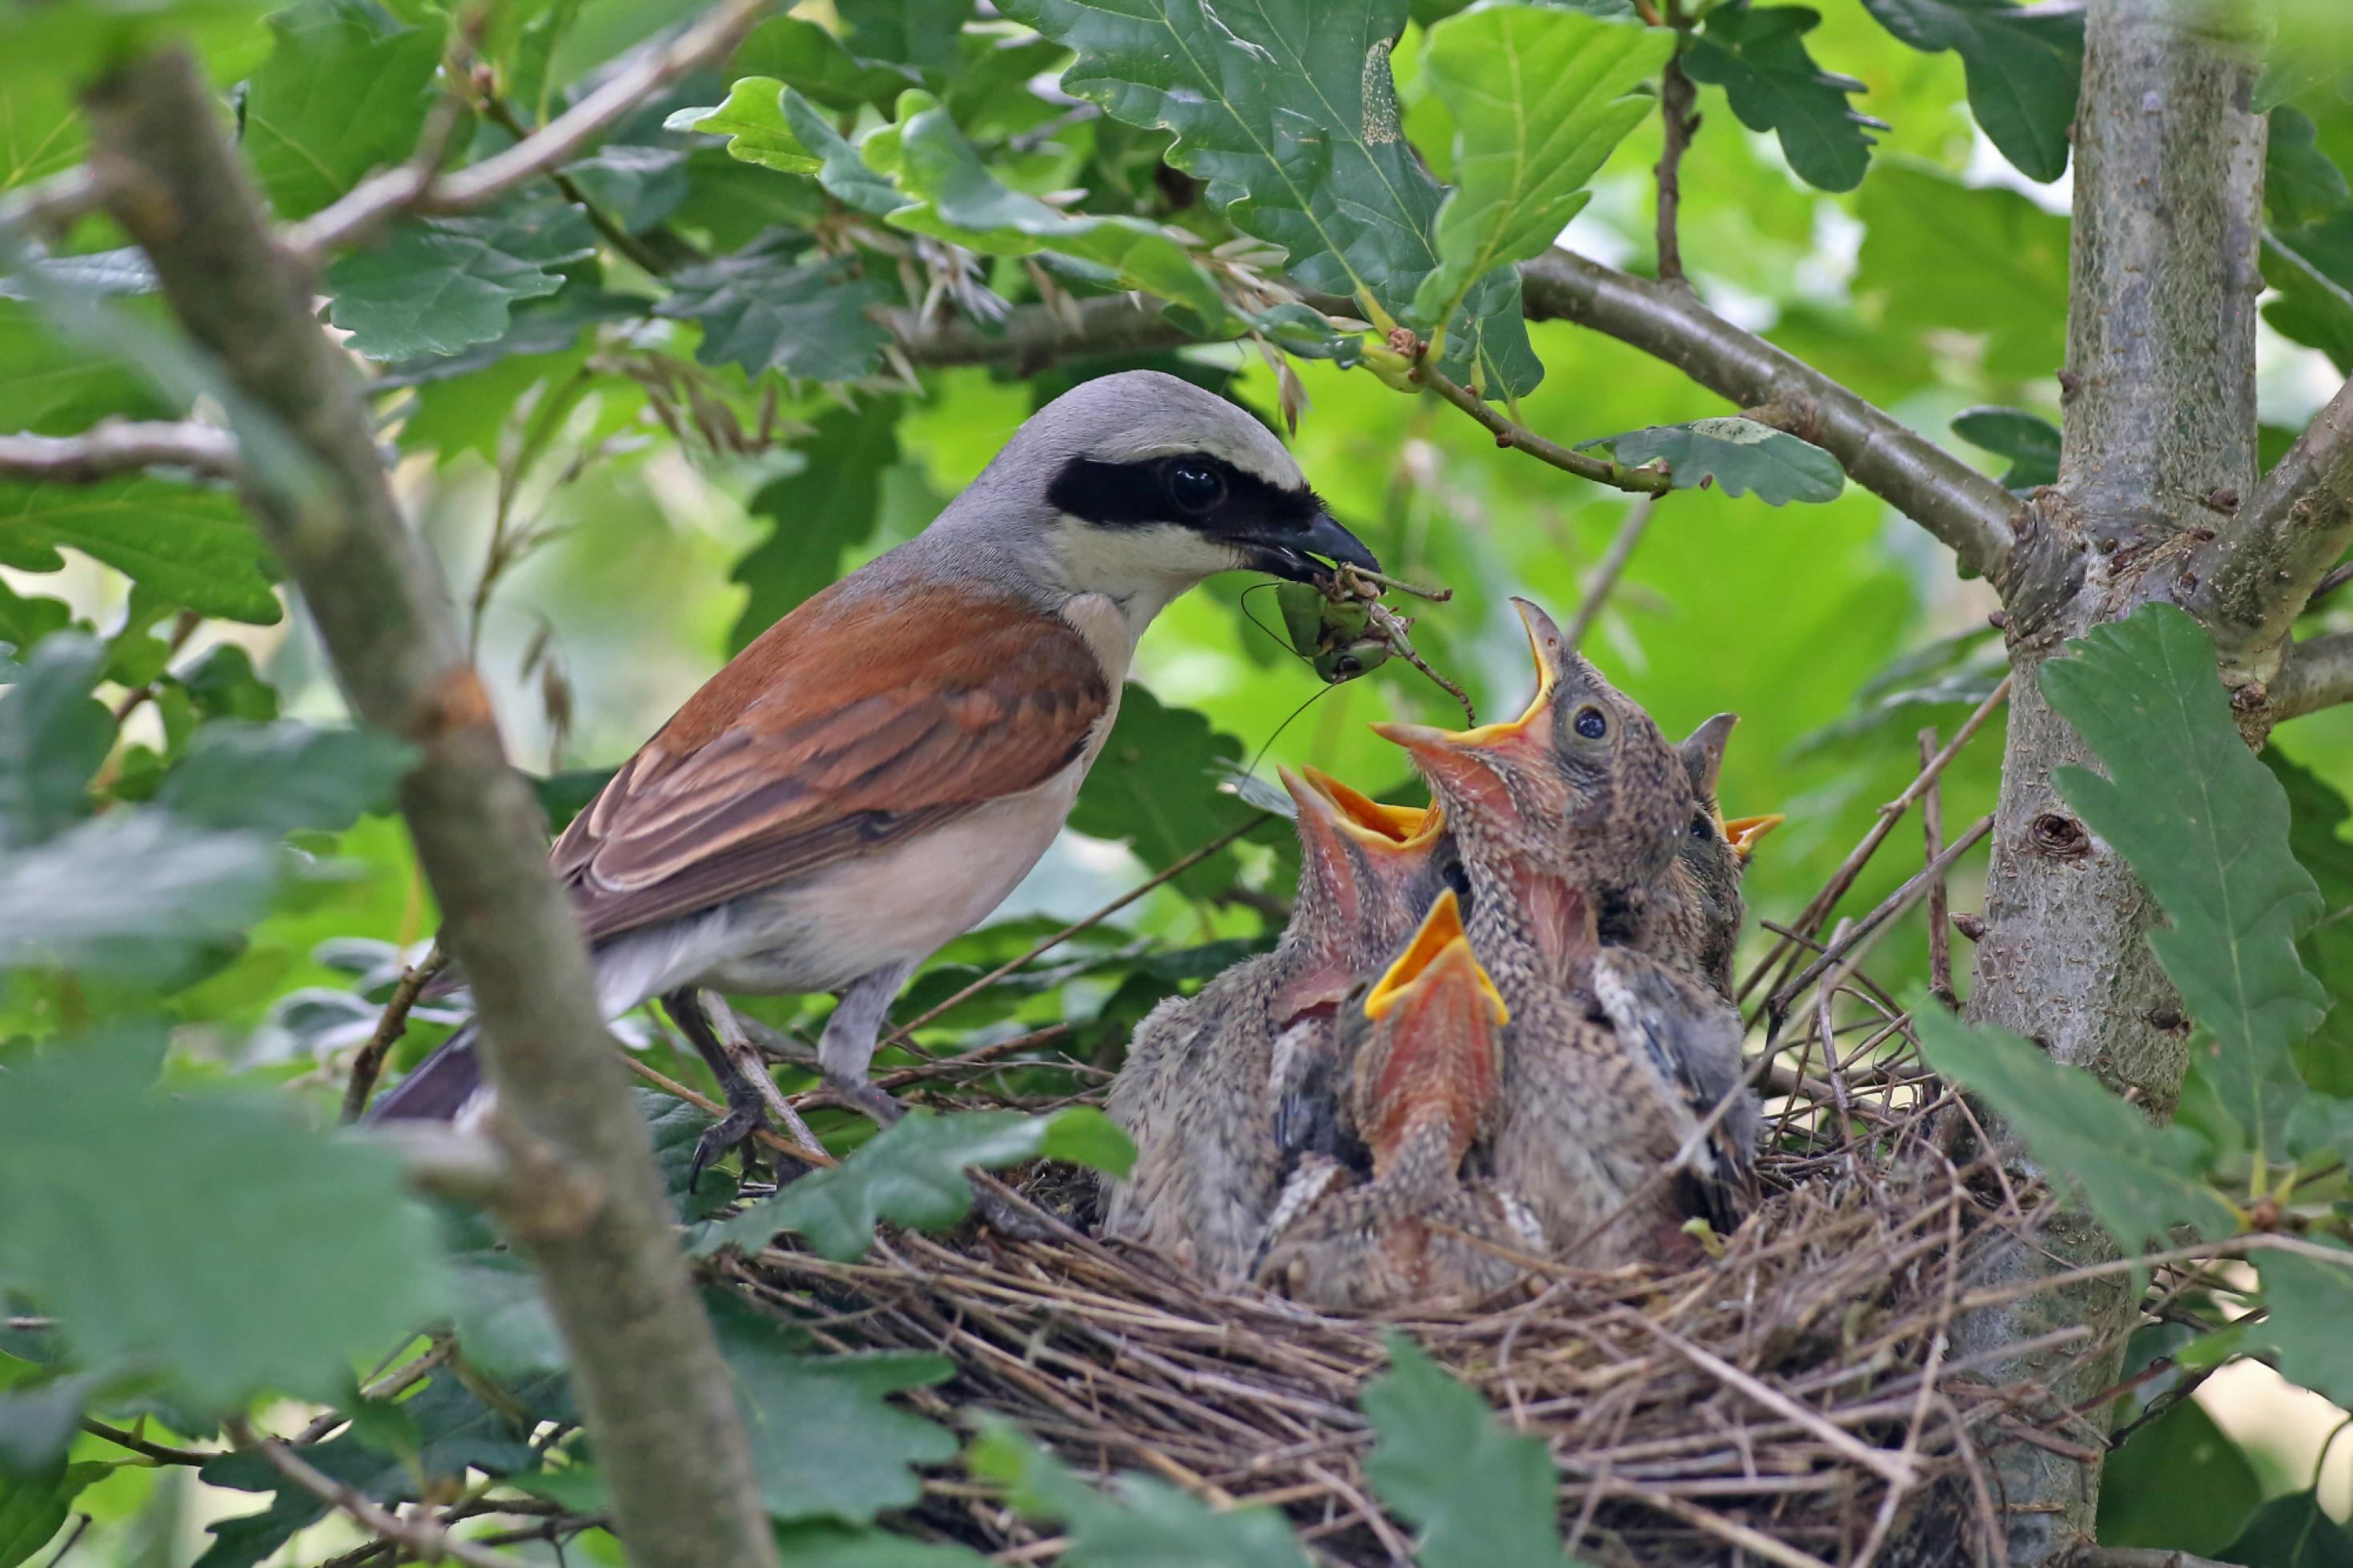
<point x="860" y="1094"/>
<point x="736" y="1127"/>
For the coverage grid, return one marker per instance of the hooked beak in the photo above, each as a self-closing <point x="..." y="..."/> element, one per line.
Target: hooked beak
<point x="1743" y="832"/>
<point x="1437" y="972"/>
<point x="1290" y="554"/>
<point x="1458" y="759"/>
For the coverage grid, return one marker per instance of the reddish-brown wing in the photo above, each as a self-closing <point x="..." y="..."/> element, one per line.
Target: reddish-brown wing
<point x="858" y="719"/>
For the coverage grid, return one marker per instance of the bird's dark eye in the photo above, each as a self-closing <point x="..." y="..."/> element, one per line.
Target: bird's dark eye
<point x="1591" y="724"/>
<point x="1195" y="486"/>
<point x="1700" y="826"/>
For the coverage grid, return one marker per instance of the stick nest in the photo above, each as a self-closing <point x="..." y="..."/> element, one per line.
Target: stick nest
<point x="1800" y="1401"/>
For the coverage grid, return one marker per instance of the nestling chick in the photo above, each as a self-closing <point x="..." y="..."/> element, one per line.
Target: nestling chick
<point x="1570" y="818"/>
<point x="1696" y="925"/>
<point x="1195" y="1094"/>
<point x="1422" y="1052"/>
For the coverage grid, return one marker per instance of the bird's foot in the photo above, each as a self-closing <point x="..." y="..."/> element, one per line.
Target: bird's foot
<point x="729" y="1131"/>
<point x="861" y="1095"/>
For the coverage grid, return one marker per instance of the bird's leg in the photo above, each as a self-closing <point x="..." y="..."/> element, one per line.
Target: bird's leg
<point x="747" y="1107"/>
<point x="847" y="1046"/>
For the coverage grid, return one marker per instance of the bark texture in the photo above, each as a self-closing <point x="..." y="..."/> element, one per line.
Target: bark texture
<point x="2159" y="434"/>
<point x="646" y="1367"/>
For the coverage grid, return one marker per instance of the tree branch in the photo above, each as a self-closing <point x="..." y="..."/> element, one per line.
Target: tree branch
<point x="656" y="1395"/>
<point x="2317" y="673"/>
<point x="1962" y="507"/>
<point x="117" y="447"/>
<point x="422" y="1537"/>
<point x="2264" y="565"/>
<point x="1678" y="106"/>
<point x="414" y="187"/>
<point x="1601" y="472"/>
<point x="1033" y="337"/>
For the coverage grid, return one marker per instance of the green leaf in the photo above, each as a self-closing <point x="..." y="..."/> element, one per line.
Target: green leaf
<point x="826" y="1441"/>
<point x="501" y="1317"/>
<point x="2311" y="1301"/>
<point x="345" y="91"/>
<point x="281" y="776"/>
<point x="913" y="1172"/>
<point x="842" y="170"/>
<point x="454" y="1431"/>
<point x="1480" y="1495"/>
<point x="2300" y="186"/>
<point x="24" y="622"/>
<point x="1941" y="255"/>
<point x="437" y="285"/>
<point x="1738" y="454"/>
<point x="40" y="134"/>
<point x="2317" y="813"/>
<point x="752" y="121"/>
<point x="2205" y="828"/>
<point x="1540" y="99"/>
<point x="1288" y="111"/>
<point x="134" y="895"/>
<point x="54" y="737"/>
<point x="761" y="312"/>
<point x="2179" y="1483"/>
<point x="56" y="388"/>
<point x="921" y="33"/>
<point x="2029" y="441"/>
<point x="819" y="515"/>
<point x="2138" y="1180"/>
<point x="33" y="1508"/>
<point x="1759" y="56"/>
<point x="956" y="198"/>
<point x="1153" y="787"/>
<point x="286" y="1252"/>
<point x="2311" y="267"/>
<point x="1142" y="1522"/>
<point x="637" y="186"/>
<point x="186" y="544"/>
<point x="802" y="55"/>
<point x="2292" y="1532"/>
<point x="38" y="1424"/>
<point x="831" y="1546"/>
<point x="2024" y="65"/>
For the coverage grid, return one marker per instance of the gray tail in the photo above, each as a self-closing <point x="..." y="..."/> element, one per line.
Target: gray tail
<point x="438" y="1088"/>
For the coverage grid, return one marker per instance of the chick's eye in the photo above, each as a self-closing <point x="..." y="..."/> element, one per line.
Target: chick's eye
<point x="1699" y="826"/>
<point x="1194" y="487"/>
<point x="1591" y="724"/>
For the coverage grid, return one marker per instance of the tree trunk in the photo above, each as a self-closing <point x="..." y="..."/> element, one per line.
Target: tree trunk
<point x="2159" y="441"/>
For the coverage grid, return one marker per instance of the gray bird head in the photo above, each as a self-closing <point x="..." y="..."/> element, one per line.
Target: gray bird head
<point x="1696" y="924"/>
<point x="1581" y="788"/>
<point x="1139" y="484"/>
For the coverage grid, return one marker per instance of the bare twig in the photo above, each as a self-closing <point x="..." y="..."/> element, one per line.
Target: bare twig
<point x="162" y="1452"/>
<point x="2257" y="575"/>
<point x="2318" y="674"/>
<point x="1604" y="579"/>
<point x="1678" y="110"/>
<point x="644" y="1361"/>
<point x="1049" y="944"/>
<point x="388" y="1029"/>
<point x="1867" y="928"/>
<point x="422" y="1537"/>
<point x="411" y="188"/>
<point x="53" y="205"/>
<point x="1932" y="840"/>
<point x="1945" y="496"/>
<point x="113" y="448"/>
<point x="1507" y="433"/>
<point x="501" y="113"/>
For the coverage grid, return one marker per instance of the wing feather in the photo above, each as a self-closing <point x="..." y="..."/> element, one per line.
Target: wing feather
<point x="864" y="716"/>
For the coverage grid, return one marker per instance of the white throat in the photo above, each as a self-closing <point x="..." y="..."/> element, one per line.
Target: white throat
<point x="1139" y="569"/>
